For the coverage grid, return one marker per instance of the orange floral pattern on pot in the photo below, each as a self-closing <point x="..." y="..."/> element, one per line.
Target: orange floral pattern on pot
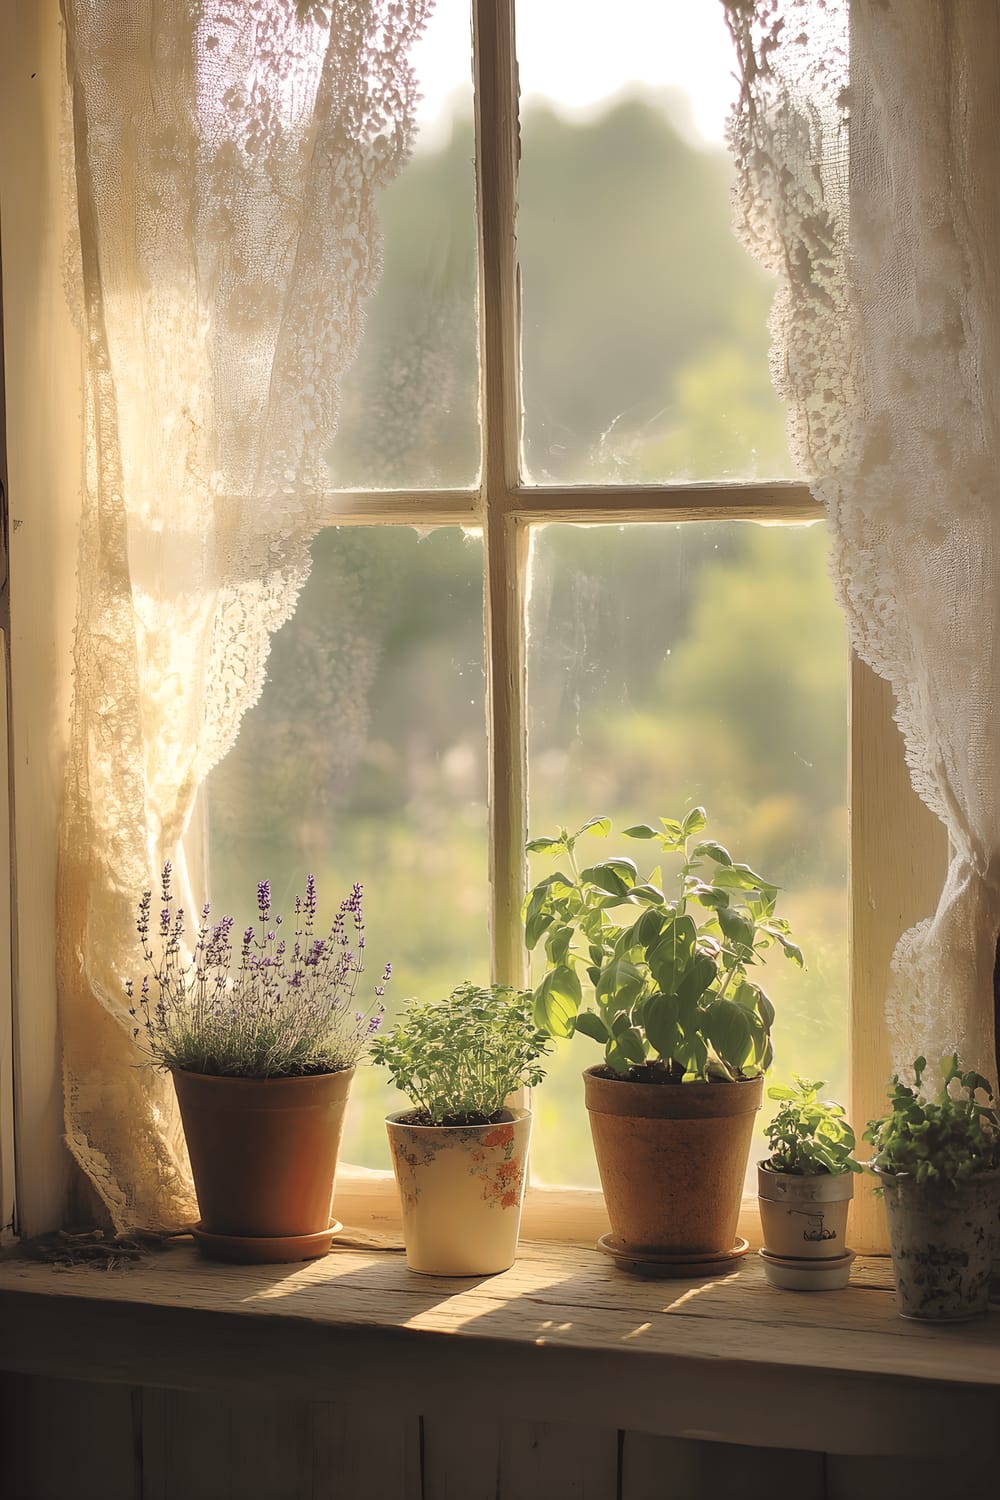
<point x="491" y="1159"/>
<point x="502" y="1180"/>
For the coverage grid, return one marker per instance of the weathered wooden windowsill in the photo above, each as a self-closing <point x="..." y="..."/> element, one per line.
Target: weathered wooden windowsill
<point x="563" y="1336"/>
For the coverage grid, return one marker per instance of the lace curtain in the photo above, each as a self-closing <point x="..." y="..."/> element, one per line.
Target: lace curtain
<point x="866" y="147"/>
<point x="224" y="159"/>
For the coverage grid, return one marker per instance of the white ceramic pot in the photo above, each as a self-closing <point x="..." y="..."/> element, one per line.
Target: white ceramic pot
<point x="943" y="1244"/>
<point x="462" y="1187"/>
<point x="804" y="1218"/>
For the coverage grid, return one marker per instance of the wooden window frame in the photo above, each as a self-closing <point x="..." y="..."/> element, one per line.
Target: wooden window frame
<point x="897" y="849"/>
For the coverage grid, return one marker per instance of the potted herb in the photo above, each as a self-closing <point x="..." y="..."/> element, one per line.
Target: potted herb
<point x="686" y="1030"/>
<point x="459" y="1153"/>
<point x="262" y="1054"/>
<point x="805" y="1188"/>
<point x="937" y="1159"/>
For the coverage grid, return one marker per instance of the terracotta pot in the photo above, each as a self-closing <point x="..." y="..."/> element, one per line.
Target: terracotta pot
<point x="462" y="1187"/>
<point x="804" y="1218"/>
<point x="672" y="1159"/>
<point x="943" y="1244"/>
<point x="264" y="1156"/>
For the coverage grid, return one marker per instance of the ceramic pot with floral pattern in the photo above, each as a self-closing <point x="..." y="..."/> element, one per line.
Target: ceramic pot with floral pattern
<point x="462" y="1187"/>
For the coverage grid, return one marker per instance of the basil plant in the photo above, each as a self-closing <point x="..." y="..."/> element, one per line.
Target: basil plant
<point x="673" y="979"/>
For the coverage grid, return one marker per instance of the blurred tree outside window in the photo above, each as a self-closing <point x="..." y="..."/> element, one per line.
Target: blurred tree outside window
<point x="668" y="663"/>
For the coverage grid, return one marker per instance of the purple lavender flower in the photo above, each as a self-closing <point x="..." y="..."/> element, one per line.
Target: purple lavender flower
<point x="271" y="1014"/>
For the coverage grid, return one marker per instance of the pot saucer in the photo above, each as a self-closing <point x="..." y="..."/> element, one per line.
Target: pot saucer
<point x="269" y="1250"/>
<point x="801" y="1274"/>
<point x="646" y="1263"/>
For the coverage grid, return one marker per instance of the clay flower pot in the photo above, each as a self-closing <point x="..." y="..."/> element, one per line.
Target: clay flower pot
<point x="943" y="1243"/>
<point x="804" y="1222"/>
<point x="264" y="1155"/>
<point x="462" y="1187"/>
<point x="672" y="1159"/>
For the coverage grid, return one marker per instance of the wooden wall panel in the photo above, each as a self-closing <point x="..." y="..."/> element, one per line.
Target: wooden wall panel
<point x="73" y="1440"/>
<point x="549" y="1461"/>
<point x="206" y="1447"/>
<point x="926" y="1478"/>
<point x="657" y="1468"/>
<point x="460" y="1453"/>
<point x="202" y="1447"/>
<point x="363" y="1455"/>
<point x="68" y="1440"/>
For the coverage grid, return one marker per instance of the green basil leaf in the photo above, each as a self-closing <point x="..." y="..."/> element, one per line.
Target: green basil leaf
<point x="556" y="1001"/>
<point x="694" y="822"/>
<point x="591" y="1025"/>
<point x="711" y="850"/>
<point x="727" y="1027"/>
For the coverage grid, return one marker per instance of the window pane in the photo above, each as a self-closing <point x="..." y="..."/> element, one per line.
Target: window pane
<point x="675" y="665"/>
<point x="645" y="346"/>
<point x="409" y="418"/>
<point x="365" y="760"/>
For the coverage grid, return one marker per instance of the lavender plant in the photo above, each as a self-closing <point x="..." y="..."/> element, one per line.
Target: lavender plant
<point x="284" y="1010"/>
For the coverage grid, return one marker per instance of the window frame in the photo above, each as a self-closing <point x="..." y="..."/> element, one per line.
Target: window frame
<point x="897" y="848"/>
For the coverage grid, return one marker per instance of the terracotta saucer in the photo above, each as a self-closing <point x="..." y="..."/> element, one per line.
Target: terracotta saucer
<point x="247" y="1250"/>
<point x="643" y="1263"/>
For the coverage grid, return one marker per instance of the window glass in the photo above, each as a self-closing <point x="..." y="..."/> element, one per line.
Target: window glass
<point x="365" y="760"/>
<point x="671" y="666"/>
<point x="645" y="346"/>
<point x="409" y="418"/>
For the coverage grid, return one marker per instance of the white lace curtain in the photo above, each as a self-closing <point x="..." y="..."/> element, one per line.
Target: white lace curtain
<point x="225" y="158"/>
<point x="866" y="144"/>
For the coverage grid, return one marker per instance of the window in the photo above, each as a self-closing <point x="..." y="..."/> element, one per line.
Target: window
<point x="462" y="643"/>
<point x="649" y="643"/>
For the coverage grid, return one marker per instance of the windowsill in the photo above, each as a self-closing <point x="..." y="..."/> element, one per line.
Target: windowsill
<point x="575" y="1215"/>
<point x="562" y="1336"/>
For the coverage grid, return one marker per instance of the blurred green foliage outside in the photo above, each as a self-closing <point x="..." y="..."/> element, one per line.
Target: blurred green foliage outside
<point x="668" y="664"/>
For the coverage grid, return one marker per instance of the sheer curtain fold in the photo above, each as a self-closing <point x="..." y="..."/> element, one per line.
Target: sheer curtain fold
<point x="866" y="148"/>
<point x="224" y="160"/>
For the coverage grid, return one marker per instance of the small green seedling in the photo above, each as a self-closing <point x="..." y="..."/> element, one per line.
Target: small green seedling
<point x="809" y="1136"/>
<point x="941" y="1141"/>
